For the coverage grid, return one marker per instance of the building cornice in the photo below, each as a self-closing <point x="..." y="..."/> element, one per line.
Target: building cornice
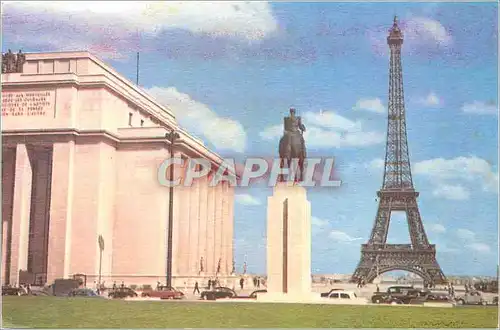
<point x="118" y="140"/>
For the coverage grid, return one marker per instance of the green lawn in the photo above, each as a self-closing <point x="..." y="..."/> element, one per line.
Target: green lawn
<point x="45" y="312"/>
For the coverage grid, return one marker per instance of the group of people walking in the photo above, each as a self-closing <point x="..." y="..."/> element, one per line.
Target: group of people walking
<point x="212" y="284"/>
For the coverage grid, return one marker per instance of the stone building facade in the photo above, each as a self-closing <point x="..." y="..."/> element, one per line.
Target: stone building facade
<point x="81" y="149"/>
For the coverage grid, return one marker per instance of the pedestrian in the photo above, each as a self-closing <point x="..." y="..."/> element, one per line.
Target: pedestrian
<point x="196" y="288"/>
<point x="209" y="284"/>
<point x="258" y="282"/>
<point x="241" y="283"/>
<point x="114" y="285"/>
<point x="378" y="289"/>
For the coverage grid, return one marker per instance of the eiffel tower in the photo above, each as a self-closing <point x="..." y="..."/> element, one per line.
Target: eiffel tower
<point x="397" y="194"/>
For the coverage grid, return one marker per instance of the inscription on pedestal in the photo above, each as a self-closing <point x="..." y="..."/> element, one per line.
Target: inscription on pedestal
<point x="24" y="104"/>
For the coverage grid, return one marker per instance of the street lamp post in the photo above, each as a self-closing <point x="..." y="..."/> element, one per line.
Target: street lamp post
<point x="100" y="240"/>
<point x="171" y="137"/>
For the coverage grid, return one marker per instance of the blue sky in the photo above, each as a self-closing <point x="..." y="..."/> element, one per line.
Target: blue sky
<point x="230" y="71"/>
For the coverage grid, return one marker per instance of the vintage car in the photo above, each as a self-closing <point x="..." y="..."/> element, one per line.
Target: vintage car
<point x="471" y="298"/>
<point x="254" y="294"/>
<point x="327" y="294"/>
<point x="120" y="293"/>
<point x="346" y="297"/>
<point x="8" y="290"/>
<point x="163" y="292"/>
<point x="218" y="293"/>
<point x="89" y="293"/>
<point x="396" y="295"/>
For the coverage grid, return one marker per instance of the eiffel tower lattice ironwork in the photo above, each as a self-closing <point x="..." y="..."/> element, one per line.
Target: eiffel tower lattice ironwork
<point x="397" y="194"/>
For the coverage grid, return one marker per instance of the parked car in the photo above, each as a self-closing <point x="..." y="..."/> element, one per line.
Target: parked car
<point x="348" y="297"/>
<point x="471" y="298"/>
<point x="122" y="293"/>
<point x="438" y="297"/>
<point x="396" y="295"/>
<point x="327" y="294"/>
<point x="253" y="295"/>
<point x="8" y="290"/>
<point x="83" y="293"/>
<point x="495" y="301"/>
<point x="163" y="292"/>
<point x="489" y="286"/>
<point x="218" y="293"/>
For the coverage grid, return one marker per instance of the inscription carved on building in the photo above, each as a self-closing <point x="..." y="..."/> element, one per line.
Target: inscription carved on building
<point x="23" y="104"/>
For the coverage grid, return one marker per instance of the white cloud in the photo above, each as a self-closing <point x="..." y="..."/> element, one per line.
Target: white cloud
<point x="272" y="132"/>
<point x="250" y="20"/>
<point x="373" y="105"/>
<point x="470" y="169"/>
<point x="377" y="164"/>
<point x="319" y="222"/>
<point x="466" y="234"/>
<point x="479" y="247"/>
<point x="115" y="30"/>
<point x="342" y="236"/>
<point x="331" y="120"/>
<point x="451" y="192"/>
<point x="322" y="138"/>
<point x="431" y="100"/>
<point x="435" y="227"/>
<point x="419" y="33"/>
<point x="246" y="199"/>
<point x="480" y="108"/>
<point x="423" y="29"/>
<point x="470" y="240"/>
<point x="198" y="118"/>
<point x="327" y="129"/>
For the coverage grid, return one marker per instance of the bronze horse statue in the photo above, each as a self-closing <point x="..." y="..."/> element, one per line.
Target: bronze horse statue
<point x="292" y="144"/>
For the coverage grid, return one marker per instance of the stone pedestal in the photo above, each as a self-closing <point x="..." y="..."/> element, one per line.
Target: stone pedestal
<point x="288" y="245"/>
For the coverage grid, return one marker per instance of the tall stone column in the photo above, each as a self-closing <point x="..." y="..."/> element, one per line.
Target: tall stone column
<point x="183" y="250"/>
<point x="21" y="207"/>
<point x="202" y="238"/>
<point x="230" y="228"/>
<point x="194" y="218"/>
<point x="210" y="230"/>
<point x="218" y="226"/>
<point x="8" y="177"/>
<point x="61" y="205"/>
<point x="224" y="233"/>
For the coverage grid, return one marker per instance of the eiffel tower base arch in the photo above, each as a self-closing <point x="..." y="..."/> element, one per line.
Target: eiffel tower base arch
<point x="382" y="258"/>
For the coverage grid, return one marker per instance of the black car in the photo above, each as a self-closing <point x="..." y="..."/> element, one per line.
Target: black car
<point x="327" y="294"/>
<point x="396" y="295"/>
<point x="12" y="291"/>
<point x="89" y="293"/>
<point x="218" y="293"/>
<point x="121" y="293"/>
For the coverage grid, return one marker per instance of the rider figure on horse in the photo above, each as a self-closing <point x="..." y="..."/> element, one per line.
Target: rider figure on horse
<point x="292" y="144"/>
<point x="294" y="126"/>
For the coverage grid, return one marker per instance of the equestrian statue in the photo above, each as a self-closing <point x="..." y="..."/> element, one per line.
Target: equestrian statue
<point x="292" y="144"/>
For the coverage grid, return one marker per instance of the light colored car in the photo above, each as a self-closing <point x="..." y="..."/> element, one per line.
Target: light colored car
<point x="346" y="297"/>
<point x="471" y="298"/>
